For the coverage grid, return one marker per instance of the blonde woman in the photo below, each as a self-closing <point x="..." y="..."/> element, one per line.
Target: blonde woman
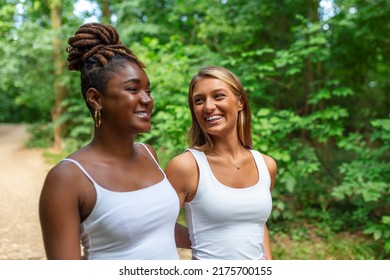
<point x="224" y="185"/>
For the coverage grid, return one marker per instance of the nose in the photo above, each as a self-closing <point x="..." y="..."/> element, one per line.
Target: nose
<point x="209" y="106"/>
<point x="145" y="98"/>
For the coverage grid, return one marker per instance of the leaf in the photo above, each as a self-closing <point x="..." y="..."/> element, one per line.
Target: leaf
<point x="386" y="220"/>
<point x="290" y="182"/>
<point x="377" y="234"/>
<point x="343" y="92"/>
<point x="323" y="94"/>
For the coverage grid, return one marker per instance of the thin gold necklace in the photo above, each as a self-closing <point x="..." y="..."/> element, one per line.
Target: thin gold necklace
<point x="232" y="163"/>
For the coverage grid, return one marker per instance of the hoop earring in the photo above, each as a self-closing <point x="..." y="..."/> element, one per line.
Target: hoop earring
<point x="97" y="118"/>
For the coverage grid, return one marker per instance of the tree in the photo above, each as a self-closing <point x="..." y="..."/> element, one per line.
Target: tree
<point x="60" y="90"/>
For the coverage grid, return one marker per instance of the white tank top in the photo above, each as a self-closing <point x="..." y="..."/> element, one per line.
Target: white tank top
<point x="135" y="225"/>
<point x="225" y="222"/>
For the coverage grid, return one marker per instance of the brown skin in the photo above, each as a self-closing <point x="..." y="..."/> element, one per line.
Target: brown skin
<point x="212" y="97"/>
<point x="68" y="197"/>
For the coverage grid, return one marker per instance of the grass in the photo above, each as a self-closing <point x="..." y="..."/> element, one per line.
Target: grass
<point x="340" y="246"/>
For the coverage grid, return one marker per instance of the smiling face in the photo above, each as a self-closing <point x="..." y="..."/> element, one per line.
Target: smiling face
<point x="127" y="103"/>
<point x="215" y="107"/>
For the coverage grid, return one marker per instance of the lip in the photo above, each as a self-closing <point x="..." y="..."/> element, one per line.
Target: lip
<point x="213" y="118"/>
<point x="145" y="115"/>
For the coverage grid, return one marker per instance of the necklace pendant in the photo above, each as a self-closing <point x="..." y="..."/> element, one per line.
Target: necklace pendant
<point x="232" y="163"/>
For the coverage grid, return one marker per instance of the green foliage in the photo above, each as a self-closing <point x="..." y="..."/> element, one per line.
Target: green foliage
<point x="41" y="135"/>
<point x="366" y="179"/>
<point x="79" y="121"/>
<point x="28" y="93"/>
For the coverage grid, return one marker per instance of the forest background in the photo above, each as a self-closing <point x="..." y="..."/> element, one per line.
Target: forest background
<point x="316" y="72"/>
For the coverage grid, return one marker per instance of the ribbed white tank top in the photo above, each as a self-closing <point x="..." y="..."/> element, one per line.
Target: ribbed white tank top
<point x="225" y="222"/>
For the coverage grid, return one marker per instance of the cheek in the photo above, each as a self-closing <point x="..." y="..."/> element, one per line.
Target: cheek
<point x="198" y="113"/>
<point x="151" y="104"/>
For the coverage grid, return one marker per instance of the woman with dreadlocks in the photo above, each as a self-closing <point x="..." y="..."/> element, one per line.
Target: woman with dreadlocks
<point x="110" y="194"/>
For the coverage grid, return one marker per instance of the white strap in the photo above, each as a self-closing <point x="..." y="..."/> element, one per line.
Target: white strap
<point x="81" y="168"/>
<point x="151" y="155"/>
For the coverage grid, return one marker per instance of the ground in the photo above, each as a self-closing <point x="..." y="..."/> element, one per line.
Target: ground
<point x="22" y="173"/>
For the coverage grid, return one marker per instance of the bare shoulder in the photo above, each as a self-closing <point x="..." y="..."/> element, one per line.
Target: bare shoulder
<point x="64" y="180"/>
<point x="270" y="162"/>
<point x="64" y="170"/>
<point x="272" y="168"/>
<point x="182" y="172"/>
<point x="59" y="173"/>
<point x="183" y="164"/>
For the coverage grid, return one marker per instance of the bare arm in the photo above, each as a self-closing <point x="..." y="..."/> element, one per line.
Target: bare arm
<point x="182" y="172"/>
<point x="272" y="168"/>
<point x="59" y="215"/>
<point x="267" y="244"/>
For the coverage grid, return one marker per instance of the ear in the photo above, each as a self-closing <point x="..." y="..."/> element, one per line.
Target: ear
<point x="240" y="105"/>
<point x="94" y="98"/>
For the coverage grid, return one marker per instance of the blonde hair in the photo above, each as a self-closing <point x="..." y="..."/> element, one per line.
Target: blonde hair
<point x="196" y="136"/>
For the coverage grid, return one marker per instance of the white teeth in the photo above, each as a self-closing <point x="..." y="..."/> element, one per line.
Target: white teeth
<point x="142" y="114"/>
<point x="212" y="118"/>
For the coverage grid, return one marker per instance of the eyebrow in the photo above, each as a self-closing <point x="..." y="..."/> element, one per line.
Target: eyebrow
<point x="137" y="81"/>
<point x="213" y="91"/>
<point x="218" y="89"/>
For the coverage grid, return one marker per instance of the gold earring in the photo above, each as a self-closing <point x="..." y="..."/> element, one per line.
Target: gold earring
<point x="98" y="118"/>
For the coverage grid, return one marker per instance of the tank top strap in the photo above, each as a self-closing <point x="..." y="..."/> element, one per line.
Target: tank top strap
<point x="200" y="157"/>
<point x="151" y="155"/>
<point x="205" y="172"/>
<point x="262" y="166"/>
<point x="81" y="168"/>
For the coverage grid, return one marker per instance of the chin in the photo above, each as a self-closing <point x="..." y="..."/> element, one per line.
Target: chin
<point x="145" y="130"/>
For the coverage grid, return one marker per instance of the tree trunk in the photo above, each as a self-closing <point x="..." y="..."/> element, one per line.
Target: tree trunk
<point x="59" y="68"/>
<point x="312" y="11"/>
<point x="106" y="12"/>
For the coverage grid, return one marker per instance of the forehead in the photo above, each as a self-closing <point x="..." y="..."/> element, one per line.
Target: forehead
<point x="209" y="84"/>
<point x="128" y="72"/>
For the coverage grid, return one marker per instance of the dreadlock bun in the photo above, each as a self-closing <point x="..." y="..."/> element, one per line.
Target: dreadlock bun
<point x="99" y="42"/>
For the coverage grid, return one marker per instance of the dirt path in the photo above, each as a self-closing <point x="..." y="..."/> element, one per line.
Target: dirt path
<point x="22" y="172"/>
